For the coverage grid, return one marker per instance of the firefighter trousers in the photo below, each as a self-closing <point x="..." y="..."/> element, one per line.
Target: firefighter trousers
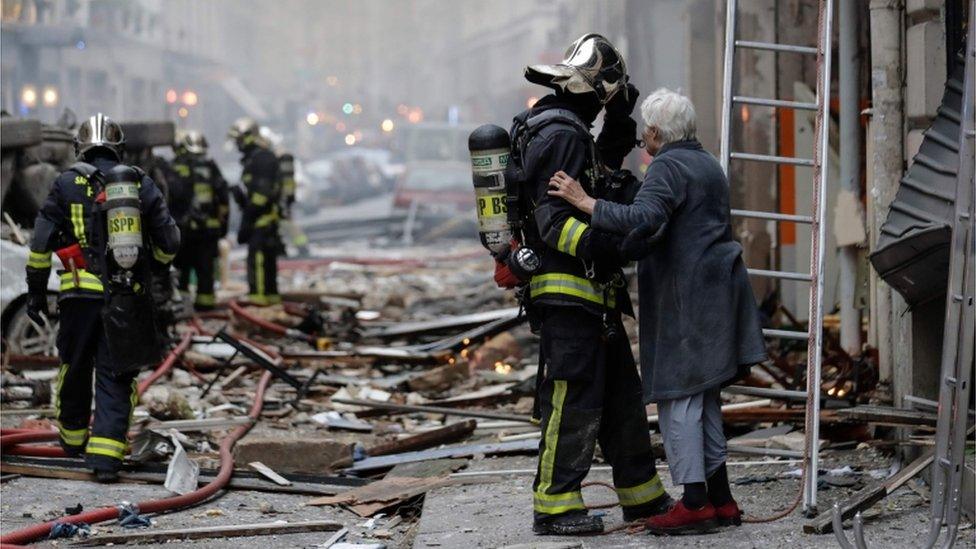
<point x="83" y="349"/>
<point x="198" y="254"/>
<point x="262" y="271"/>
<point x="590" y="392"/>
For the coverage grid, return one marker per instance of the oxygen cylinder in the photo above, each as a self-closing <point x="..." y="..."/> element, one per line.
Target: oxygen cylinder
<point x="123" y="215"/>
<point x="490" y="149"/>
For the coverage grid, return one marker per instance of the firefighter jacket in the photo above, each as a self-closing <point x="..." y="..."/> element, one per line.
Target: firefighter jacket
<point x="579" y="264"/>
<point x="68" y="216"/>
<point x="261" y="179"/>
<point x="199" y="197"/>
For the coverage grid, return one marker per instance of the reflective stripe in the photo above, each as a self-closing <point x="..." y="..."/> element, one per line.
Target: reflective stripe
<point x="133" y="400"/>
<point x="182" y="170"/>
<point x="39" y="260"/>
<point x="257" y="299"/>
<point x="62" y="371"/>
<point x="273" y="299"/>
<point x="205" y="299"/>
<point x="567" y="284"/>
<point x="642" y="493"/>
<point x="73" y="437"/>
<point x="213" y="223"/>
<point x="547" y="461"/>
<point x="569" y="237"/>
<point x="267" y="219"/>
<point x="106" y="447"/>
<point x="259" y="199"/>
<point x="87" y="281"/>
<point x="552" y="504"/>
<point x="78" y="223"/>
<point x="259" y="273"/>
<point x="162" y="256"/>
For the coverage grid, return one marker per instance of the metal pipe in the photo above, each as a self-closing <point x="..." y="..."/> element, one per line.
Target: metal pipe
<point x="814" y="341"/>
<point x="730" y="8"/>
<point x="850" y="168"/>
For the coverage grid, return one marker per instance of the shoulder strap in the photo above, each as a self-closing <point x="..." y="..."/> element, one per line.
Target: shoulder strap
<point x="83" y="168"/>
<point x="534" y="124"/>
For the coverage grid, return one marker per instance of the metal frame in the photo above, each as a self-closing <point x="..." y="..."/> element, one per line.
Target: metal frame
<point x="957" y="342"/>
<point x="814" y="334"/>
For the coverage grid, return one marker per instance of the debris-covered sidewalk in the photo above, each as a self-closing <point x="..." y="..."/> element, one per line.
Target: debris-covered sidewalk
<point x="387" y="402"/>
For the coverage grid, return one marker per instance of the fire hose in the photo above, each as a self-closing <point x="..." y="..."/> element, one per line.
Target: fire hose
<point x="27" y="535"/>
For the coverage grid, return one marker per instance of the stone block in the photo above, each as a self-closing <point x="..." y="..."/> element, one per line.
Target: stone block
<point x="912" y="143"/>
<point x="306" y="455"/>
<point x="915" y="7"/>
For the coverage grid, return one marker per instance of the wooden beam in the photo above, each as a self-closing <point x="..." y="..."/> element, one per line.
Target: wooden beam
<point x="209" y="532"/>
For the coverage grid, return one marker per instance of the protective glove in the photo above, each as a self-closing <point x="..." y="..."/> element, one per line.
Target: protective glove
<point x="37" y="308"/>
<point x="623" y="102"/>
<point x="640" y="242"/>
<point x="515" y="265"/>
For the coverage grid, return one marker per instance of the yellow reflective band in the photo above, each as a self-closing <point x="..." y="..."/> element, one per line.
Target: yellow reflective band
<point x="259" y="273"/>
<point x="259" y="199"/>
<point x="39" y="260"/>
<point x="62" y="371"/>
<point x="133" y="400"/>
<point x="552" y="504"/>
<point x="567" y="284"/>
<point x="267" y="219"/>
<point x="162" y="256"/>
<point x="213" y="223"/>
<point x="73" y="437"/>
<point x="182" y="170"/>
<point x="642" y="493"/>
<point x="547" y="461"/>
<point x="203" y="192"/>
<point x="86" y="281"/>
<point x="569" y="237"/>
<point x="274" y="299"/>
<point x="106" y="447"/>
<point x="78" y="223"/>
<point x="257" y="299"/>
<point x="206" y="299"/>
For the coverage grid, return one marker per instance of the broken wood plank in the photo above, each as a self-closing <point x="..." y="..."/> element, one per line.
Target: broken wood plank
<point x="889" y="415"/>
<point x="432" y="409"/>
<point x="269" y="472"/>
<point x="382" y="494"/>
<point x="209" y="532"/>
<point x="493" y="448"/>
<point x="451" y="433"/>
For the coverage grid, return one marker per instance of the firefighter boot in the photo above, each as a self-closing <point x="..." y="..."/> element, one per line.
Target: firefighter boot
<point x="572" y="523"/>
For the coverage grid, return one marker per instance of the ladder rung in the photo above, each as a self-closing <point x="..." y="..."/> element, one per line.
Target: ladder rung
<point x="773" y="159"/>
<point x="744" y="100"/>
<point x="769" y="46"/>
<point x="785" y="334"/>
<point x="773" y="216"/>
<point x="786" y="275"/>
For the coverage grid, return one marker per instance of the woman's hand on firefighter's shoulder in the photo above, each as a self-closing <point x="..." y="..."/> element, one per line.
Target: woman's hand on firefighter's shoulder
<point x="570" y="190"/>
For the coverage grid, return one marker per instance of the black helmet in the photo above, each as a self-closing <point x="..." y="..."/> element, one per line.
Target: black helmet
<point x="591" y="64"/>
<point x="100" y="131"/>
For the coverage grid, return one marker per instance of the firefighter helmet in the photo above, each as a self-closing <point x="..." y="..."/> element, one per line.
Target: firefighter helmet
<point x="245" y="133"/>
<point x="192" y="142"/>
<point x="100" y="132"/>
<point x="591" y="65"/>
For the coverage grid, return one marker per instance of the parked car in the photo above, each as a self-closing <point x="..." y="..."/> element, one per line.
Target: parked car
<point x="435" y="187"/>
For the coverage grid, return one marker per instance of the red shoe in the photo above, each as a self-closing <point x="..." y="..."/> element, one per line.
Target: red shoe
<point x="729" y="514"/>
<point x="681" y="520"/>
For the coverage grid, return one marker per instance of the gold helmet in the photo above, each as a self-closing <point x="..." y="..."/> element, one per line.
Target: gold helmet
<point x="591" y="65"/>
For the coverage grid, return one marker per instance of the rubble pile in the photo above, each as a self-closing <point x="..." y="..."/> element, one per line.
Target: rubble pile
<point x="390" y="377"/>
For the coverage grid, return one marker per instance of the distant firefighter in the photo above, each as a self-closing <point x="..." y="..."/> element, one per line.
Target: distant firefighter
<point x="260" y="201"/>
<point x="200" y="203"/>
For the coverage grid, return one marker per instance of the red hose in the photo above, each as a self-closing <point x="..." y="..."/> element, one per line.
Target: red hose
<point x="31" y="533"/>
<point x="239" y="310"/>
<point x="167" y="364"/>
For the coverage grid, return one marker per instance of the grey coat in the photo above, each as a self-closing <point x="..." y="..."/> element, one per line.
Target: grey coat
<point x="699" y="322"/>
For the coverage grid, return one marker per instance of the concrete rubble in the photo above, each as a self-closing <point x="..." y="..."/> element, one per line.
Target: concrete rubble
<point x="412" y="436"/>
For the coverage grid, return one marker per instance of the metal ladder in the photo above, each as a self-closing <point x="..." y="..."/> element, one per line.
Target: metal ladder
<point x="814" y="334"/>
<point x="957" y="343"/>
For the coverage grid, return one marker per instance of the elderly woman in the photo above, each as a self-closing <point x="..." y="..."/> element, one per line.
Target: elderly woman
<point x="699" y="322"/>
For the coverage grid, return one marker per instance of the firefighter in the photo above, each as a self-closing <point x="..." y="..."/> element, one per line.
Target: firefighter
<point x="200" y="203"/>
<point x="260" y="201"/>
<point x="107" y="222"/>
<point x="588" y="390"/>
<point x="286" y="165"/>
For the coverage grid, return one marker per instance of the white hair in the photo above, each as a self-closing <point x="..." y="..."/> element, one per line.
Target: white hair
<point x="671" y="114"/>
